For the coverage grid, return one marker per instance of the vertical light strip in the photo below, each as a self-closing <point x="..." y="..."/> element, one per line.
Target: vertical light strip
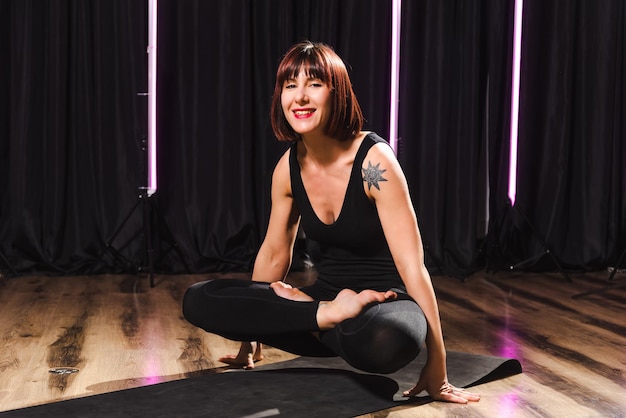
<point x="395" y="73"/>
<point x="152" y="97"/>
<point x="517" y="55"/>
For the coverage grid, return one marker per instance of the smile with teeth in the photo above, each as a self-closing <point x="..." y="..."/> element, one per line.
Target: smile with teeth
<point x="303" y="113"/>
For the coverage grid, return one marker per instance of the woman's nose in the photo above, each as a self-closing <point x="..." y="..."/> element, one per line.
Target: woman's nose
<point x="301" y="95"/>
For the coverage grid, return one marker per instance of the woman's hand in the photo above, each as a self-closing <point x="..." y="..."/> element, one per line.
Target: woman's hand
<point x="436" y="384"/>
<point x="249" y="353"/>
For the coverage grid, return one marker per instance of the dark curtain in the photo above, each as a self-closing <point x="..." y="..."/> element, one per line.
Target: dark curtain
<point x="453" y="122"/>
<point x="73" y="134"/>
<point x="71" y="123"/>
<point x="73" y="127"/>
<point x="218" y="62"/>
<point x="572" y="155"/>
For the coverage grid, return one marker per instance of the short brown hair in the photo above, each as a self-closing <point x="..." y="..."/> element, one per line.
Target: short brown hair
<point x="322" y="62"/>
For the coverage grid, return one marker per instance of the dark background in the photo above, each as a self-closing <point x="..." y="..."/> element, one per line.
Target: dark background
<point x="72" y="127"/>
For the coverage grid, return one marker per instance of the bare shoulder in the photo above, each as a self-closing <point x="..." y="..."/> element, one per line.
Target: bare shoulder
<point x="382" y="151"/>
<point x="283" y="162"/>
<point x="381" y="155"/>
<point x="281" y="179"/>
<point x="381" y="170"/>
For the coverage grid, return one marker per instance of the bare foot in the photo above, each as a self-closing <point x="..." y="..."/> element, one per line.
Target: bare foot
<point x="286" y="291"/>
<point x="348" y="304"/>
<point x="249" y="353"/>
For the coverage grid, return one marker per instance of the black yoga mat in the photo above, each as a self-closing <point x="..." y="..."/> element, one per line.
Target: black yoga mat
<point x="303" y="387"/>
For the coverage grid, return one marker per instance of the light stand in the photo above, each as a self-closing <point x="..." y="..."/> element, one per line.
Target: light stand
<point x="149" y="166"/>
<point x="610" y="280"/>
<point x="510" y="203"/>
<point x="150" y="216"/>
<point x="145" y="203"/>
<point x="617" y="265"/>
<point x="396" y="7"/>
<point x="491" y="242"/>
<point x="6" y="262"/>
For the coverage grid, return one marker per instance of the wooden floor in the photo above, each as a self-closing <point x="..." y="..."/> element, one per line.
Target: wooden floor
<point x="120" y="333"/>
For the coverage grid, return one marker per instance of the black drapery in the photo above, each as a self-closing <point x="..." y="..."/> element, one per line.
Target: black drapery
<point x="73" y="175"/>
<point x="218" y="61"/>
<point x="572" y="155"/>
<point x="454" y="119"/>
<point x="72" y="125"/>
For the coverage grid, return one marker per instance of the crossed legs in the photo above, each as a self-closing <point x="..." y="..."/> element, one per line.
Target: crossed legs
<point x="370" y="335"/>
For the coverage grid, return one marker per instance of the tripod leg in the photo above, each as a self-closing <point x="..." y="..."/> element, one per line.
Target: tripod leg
<point x="173" y="245"/>
<point x="147" y="222"/>
<point x="108" y="246"/>
<point x="617" y="265"/>
<point x="543" y="244"/>
<point x="5" y="261"/>
<point x="494" y="227"/>
<point x="610" y="280"/>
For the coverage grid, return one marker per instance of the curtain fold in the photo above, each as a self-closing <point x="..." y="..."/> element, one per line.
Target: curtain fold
<point x="453" y="97"/>
<point x="73" y="127"/>
<point x="217" y="63"/>
<point x="72" y="75"/>
<point x="571" y="143"/>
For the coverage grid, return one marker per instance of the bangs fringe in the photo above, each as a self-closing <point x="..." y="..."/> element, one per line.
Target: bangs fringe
<point x="309" y="60"/>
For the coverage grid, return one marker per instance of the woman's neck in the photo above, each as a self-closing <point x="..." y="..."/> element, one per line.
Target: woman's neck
<point x="324" y="150"/>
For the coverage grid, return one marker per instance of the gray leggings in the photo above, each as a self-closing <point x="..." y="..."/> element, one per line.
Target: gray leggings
<point x="382" y="339"/>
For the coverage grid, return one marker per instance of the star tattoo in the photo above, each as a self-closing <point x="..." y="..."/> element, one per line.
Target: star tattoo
<point x="372" y="175"/>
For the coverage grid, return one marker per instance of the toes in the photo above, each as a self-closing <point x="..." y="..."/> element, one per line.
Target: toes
<point x="283" y="285"/>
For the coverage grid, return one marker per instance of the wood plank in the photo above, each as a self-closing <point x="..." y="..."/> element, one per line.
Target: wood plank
<point x="120" y="333"/>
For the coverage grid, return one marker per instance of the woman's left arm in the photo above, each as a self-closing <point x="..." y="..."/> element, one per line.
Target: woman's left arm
<point x="395" y="210"/>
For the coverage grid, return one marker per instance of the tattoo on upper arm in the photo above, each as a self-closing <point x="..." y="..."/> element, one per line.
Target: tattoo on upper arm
<point x="372" y="175"/>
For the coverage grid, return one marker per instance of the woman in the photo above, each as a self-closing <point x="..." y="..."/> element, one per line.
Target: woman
<point x="373" y="302"/>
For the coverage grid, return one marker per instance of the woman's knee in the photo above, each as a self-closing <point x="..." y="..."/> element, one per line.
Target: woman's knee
<point x="213" y="303"/>
<point x="389" y="350"/>
<point x="385" y="338"/>
<point x="193" y="302"/>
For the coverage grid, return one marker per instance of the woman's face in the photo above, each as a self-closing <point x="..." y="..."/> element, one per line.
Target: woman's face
<point x="306" y="104"/>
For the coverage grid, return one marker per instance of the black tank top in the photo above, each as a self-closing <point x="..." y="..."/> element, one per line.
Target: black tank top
<point x="354" y="252"/>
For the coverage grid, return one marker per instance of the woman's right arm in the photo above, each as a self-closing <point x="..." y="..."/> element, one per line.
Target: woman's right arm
<point x="274" y="257"/>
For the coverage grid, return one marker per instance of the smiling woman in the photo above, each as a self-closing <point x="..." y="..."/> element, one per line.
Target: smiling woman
<point x="306" y="105"/>
<point x="317" y="64"/>
<point x="373" y="303"/>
